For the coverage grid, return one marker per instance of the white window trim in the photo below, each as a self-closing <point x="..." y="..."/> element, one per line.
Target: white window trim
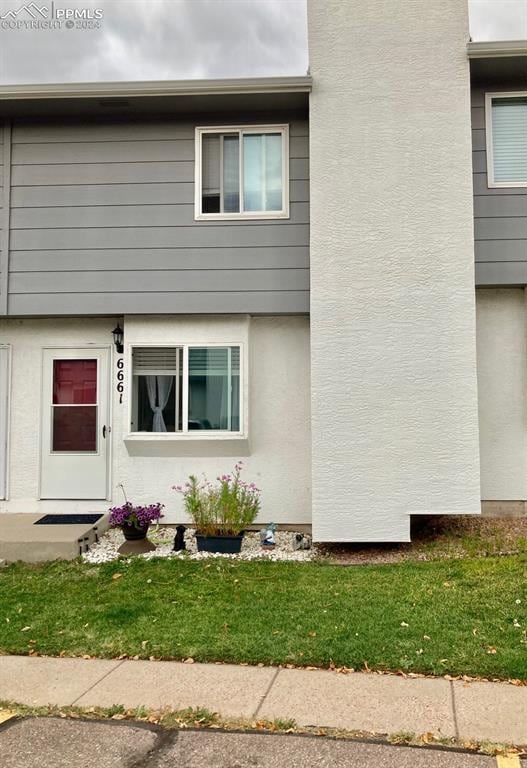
<point x="491" y="183"/>
<point x="194" y="434"/>
<point x="283" y="129"/>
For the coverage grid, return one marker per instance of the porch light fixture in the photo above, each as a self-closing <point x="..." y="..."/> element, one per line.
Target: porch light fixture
<point x="118" y="338"/>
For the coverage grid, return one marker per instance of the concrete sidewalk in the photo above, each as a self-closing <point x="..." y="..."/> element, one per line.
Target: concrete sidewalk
<point x="381" y="704"/>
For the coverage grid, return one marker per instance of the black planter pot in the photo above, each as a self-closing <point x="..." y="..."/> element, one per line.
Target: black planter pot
<point x="226" y="545"/>
<point x="131" y="533"/>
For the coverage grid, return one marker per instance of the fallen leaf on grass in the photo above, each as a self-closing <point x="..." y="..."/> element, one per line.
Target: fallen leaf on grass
<point x="491" y="649"/>
<point x="116" y="576"/>
<point x="190" y="660"/>
<point x="25" y="629"/>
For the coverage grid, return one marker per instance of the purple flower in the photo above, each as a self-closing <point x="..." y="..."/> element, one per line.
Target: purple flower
<point x="138" y="516"/>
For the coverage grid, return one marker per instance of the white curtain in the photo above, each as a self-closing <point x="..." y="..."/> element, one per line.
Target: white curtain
<point x="164" y="385"/>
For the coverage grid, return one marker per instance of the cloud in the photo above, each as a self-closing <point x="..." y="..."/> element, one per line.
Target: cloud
<point x="498" y="19"/>
<point x="161" y="39"/>
<point x="179" y="39"/>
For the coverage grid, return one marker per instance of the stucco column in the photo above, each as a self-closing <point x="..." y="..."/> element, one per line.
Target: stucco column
<point x="394" y="396"/>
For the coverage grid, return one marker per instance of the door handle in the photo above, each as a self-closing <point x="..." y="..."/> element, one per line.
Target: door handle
<point x="104" y="431"/>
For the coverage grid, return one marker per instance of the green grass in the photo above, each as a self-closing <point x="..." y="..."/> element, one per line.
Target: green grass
<point x="455" y="617"/>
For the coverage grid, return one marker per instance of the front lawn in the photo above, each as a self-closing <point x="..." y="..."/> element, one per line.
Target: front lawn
<point x="458" y="617"/>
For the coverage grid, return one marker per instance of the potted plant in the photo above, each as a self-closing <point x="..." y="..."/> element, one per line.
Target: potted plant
<point x="221" y="511"/>
<point x="134" y="521"/>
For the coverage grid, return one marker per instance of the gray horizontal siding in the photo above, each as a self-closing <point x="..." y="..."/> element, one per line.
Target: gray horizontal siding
<point x="127" y="259"/>
<point x="496" y="206"/>
<point x="159" y="130"/>
<point x="245" y="235"/>
<point x="274" y="302"/>
<point x="180" y="215"/>
<point x="159" y="281"/>
<point x="169" y="193"/>
<point x="120" y="173"/>
<point x="495" y="273"/>
<point x="178" y="150"/>
<point x="501" y="228"/>
<point x="500" y="251"/>
<point x="500" y="215"/>
<point x="102" y="219"/>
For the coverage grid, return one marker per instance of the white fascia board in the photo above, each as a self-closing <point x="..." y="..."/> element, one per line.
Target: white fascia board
<point x="496" y="49"/>
<point x="300" y="84"/>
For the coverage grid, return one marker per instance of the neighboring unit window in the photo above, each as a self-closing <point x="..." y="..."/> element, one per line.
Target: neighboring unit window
<point x="242" y="172"/>
<point x="507" y="143"/>
<point x="164" y="378"/>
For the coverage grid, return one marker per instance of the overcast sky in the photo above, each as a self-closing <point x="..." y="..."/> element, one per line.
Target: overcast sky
<point x="158" y="39"/>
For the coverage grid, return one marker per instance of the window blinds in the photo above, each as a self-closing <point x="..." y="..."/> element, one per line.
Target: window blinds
<point x="509" y="138"/>
<point x="214" y="361"/>
<point x="156" y="361"/>
<point x="203" y="361"/>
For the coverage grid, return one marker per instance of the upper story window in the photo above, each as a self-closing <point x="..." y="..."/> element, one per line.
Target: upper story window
<point x="506" y="127"/>
<point x="185" y="388"/>
<point x="242" y="172"/>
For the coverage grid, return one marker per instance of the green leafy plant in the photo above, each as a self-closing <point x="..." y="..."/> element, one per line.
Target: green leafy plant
<point x="221" y="509"/>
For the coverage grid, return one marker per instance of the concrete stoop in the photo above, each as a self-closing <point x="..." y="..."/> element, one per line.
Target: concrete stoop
<point x="21" y="539"/>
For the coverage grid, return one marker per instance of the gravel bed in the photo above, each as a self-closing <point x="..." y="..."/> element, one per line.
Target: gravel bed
<point x="163" y="537"/>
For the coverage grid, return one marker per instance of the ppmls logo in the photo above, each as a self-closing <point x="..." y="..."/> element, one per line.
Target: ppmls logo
<point x="34" y="16"/>
<point x="31" y="10"/>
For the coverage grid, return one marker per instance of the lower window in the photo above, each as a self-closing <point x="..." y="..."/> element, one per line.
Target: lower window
<point x="185" y="388"/>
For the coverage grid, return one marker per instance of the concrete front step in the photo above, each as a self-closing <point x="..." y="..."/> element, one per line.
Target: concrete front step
<point x="21" y="539"/>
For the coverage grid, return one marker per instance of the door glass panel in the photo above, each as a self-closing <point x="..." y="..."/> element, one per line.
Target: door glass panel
<point x="74" y="382"/>
<point x="75" y="429"/>
<point x="74" y="407"/>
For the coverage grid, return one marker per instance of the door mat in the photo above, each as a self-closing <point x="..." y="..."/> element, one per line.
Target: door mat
<point x="68" y="519"/>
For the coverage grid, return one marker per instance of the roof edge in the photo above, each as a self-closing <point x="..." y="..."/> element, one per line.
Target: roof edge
<point x="297" y="84"/>
<point x="496" y="49"/>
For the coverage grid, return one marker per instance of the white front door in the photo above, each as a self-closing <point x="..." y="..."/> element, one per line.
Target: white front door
<point x="4" y="415"/>
<point x="75" y="424"/>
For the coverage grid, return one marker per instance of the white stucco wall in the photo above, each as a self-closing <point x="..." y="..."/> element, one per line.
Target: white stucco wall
<point x="277" y="413"/>
<point x="502" y="384"/>
<point x="27" y="339"/>
<point x="394" y="398"/>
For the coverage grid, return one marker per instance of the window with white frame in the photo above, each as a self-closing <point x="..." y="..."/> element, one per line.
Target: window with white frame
<point x="242" y="172"/>
<point x="506" y="125"/>
<point x="185" y="388"/>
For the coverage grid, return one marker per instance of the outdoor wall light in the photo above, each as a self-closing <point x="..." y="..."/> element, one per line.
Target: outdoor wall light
<point x="118" y="338"/>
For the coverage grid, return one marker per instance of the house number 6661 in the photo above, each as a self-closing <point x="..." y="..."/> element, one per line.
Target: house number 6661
<point x="120" y="378"/>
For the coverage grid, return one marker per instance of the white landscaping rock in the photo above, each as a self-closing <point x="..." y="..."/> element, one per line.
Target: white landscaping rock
<point x="106" y="549"/>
